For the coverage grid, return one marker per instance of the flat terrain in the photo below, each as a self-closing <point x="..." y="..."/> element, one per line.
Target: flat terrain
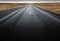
<point x="5" y="6"/>
<point x="29" y="24"/>
<point x="53" y="7"/>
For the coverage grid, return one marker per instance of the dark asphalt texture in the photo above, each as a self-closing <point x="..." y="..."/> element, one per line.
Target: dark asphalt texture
<point x="29" y="24"/>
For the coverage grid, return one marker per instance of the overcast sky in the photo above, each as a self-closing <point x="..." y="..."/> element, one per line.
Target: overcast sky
<point x="29" y="0"/>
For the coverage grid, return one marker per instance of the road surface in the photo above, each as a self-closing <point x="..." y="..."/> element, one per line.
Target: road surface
<point x="29" y="24"/>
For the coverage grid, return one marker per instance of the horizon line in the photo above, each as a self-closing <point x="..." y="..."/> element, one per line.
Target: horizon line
<point x="29" y="1"/>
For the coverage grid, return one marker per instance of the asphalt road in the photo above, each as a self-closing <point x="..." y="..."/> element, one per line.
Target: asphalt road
<point x="29" y="24"/>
